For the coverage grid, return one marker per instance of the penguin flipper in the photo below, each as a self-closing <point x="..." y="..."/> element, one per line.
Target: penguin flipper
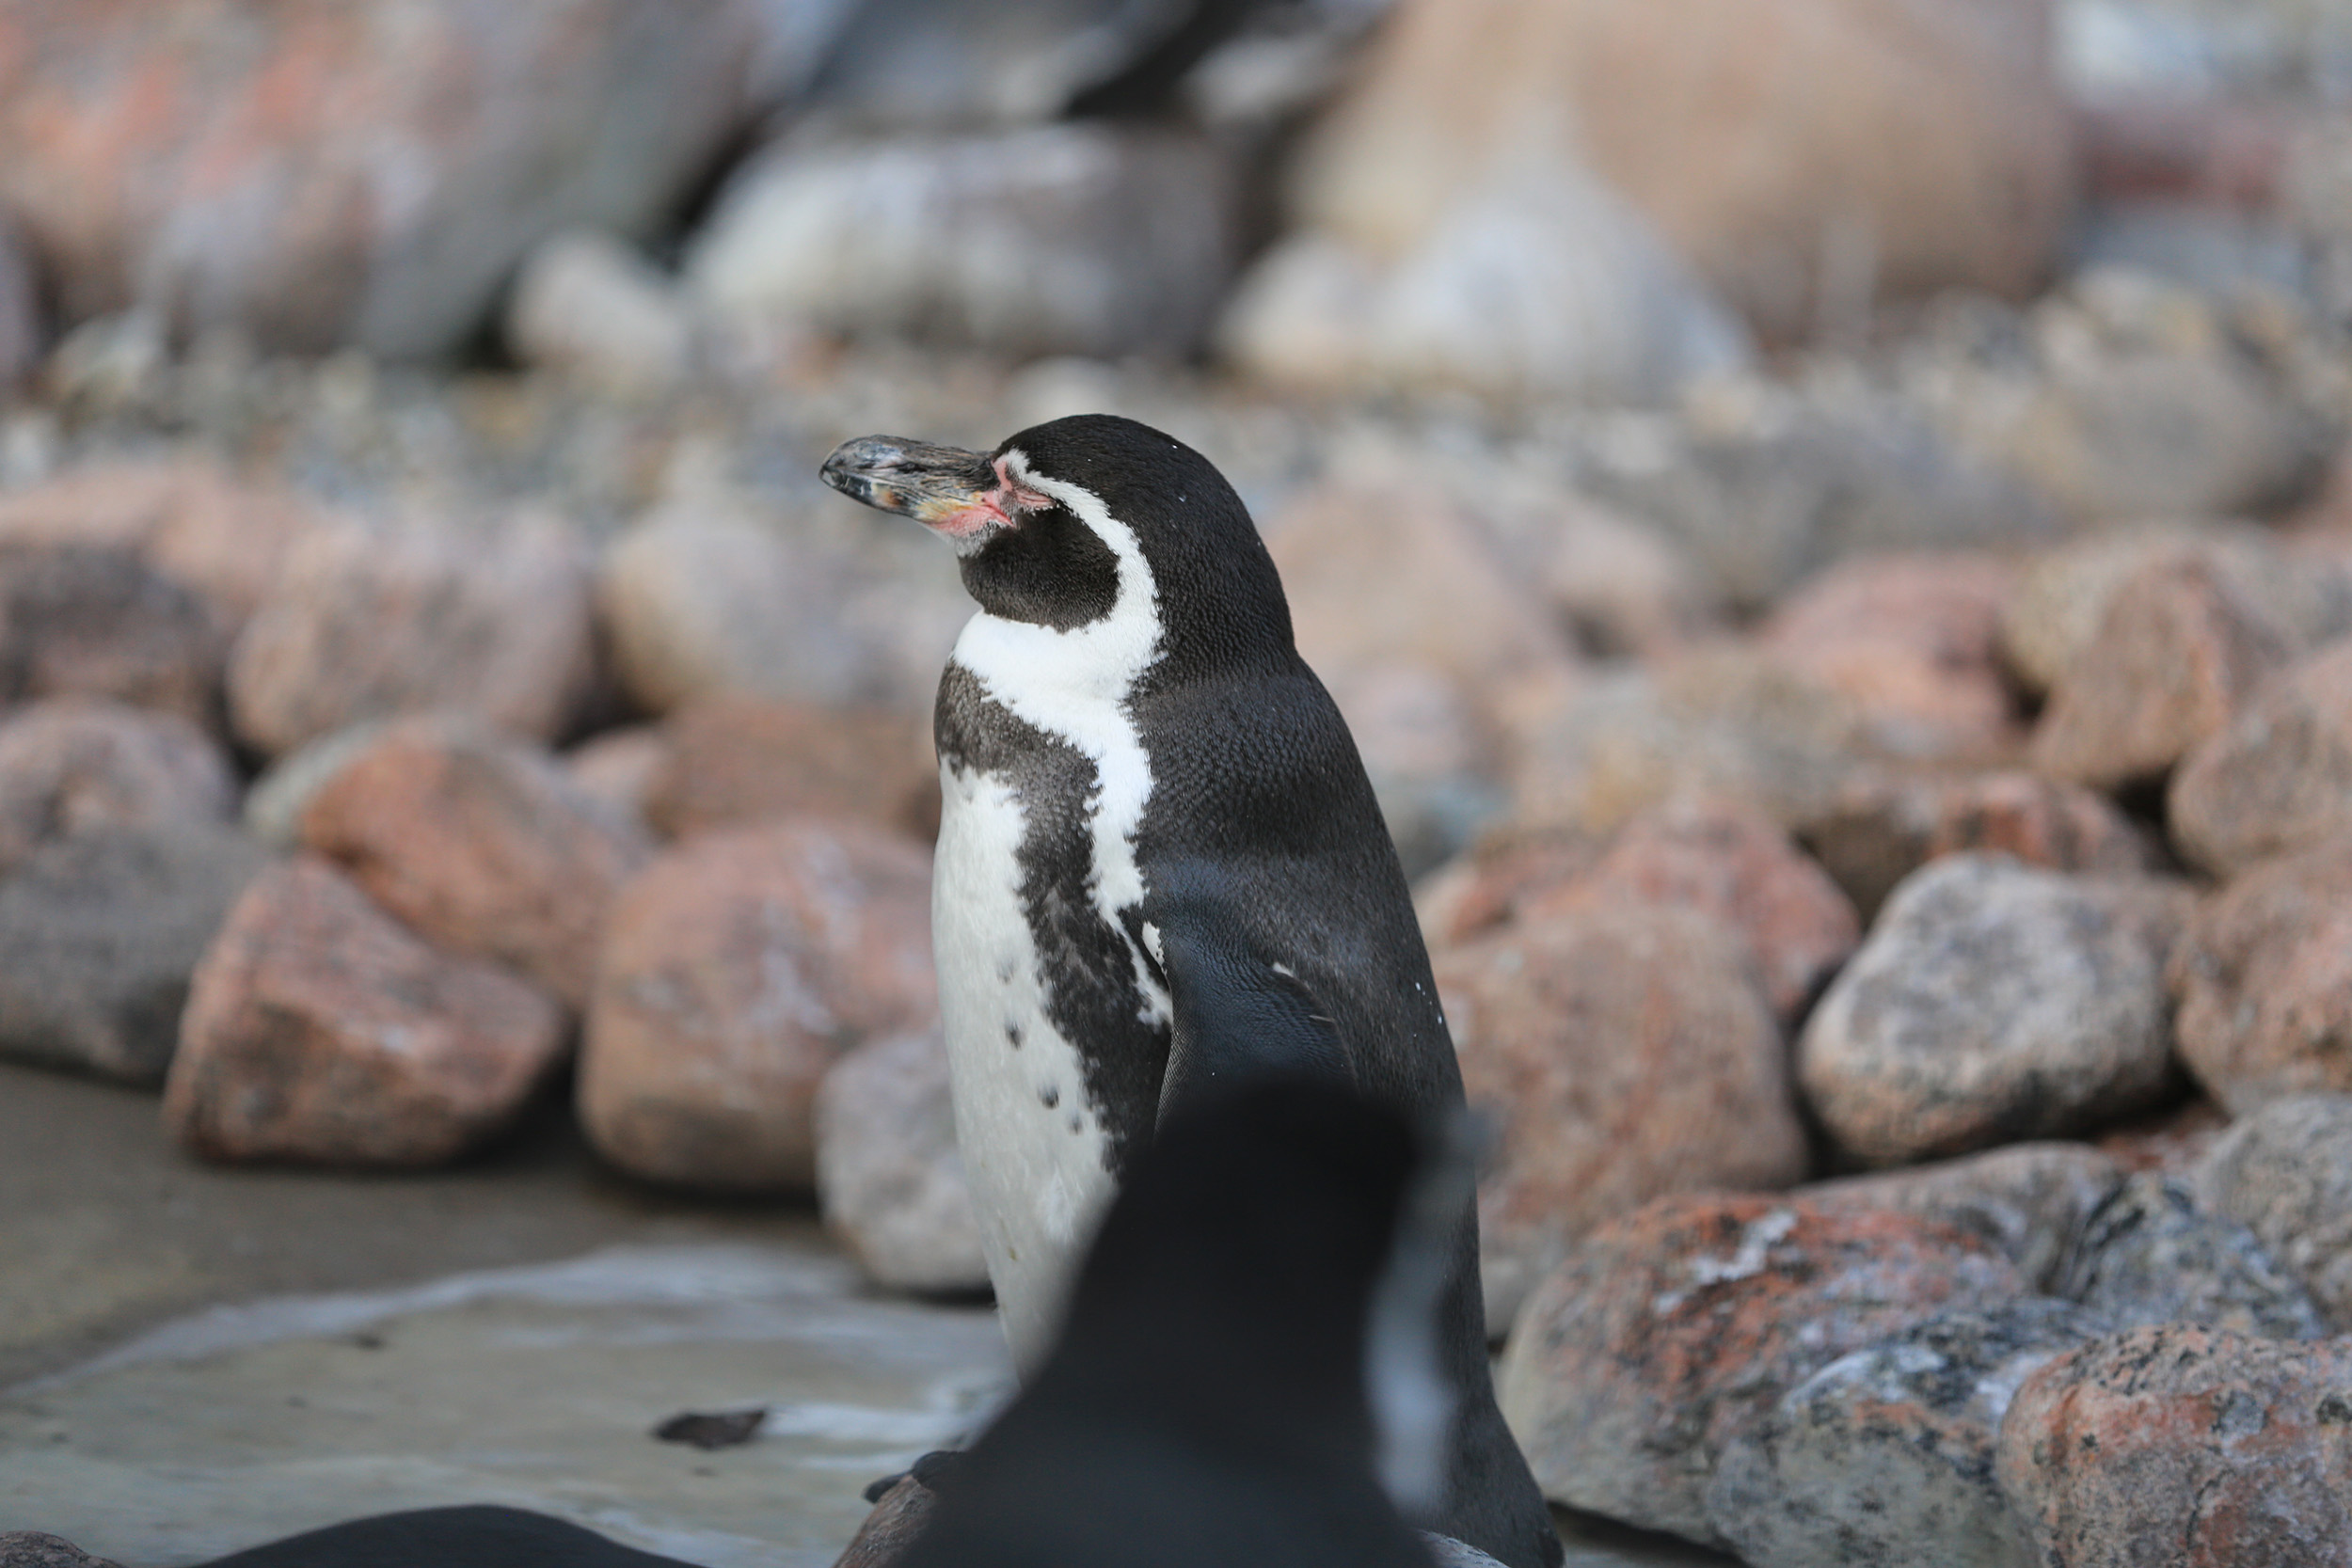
<point x="1238" y="1013"/>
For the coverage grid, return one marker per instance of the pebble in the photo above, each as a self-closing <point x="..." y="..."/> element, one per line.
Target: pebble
<point x="1993" y="1001"/>
<point x="734" y="971"/>
<point x="415" y="617"/>
<point x="729" y="761"/>
<point x="1670" y="1334"/>
<point x="2189" y="1447"/>
<point x="2278" y="779"/>
<point x="1883" y="1458"/>
<point x="889" y="1180"/>
<point x="71" y="764"/>
<point x="478" y="844"/>
<point x="2150" y="1255"/>
<point x="2285" y="1173"/>
<point x="1627" y="1053"/>
<point x="319" y="1030"/>
<point x="2263" y="978"/>
<point x="2029" y="1201"/>
<point x="99" y="934"/>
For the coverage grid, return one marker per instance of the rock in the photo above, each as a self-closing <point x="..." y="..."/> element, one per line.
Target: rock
<point x="2177" y="654"/>
<point x="2029" y="1201"/>
<point x="1085" y="237"/>
<point x="319" y="1030"/>
<point x="2285" y="1173"/>
<point x="30" y="1548"/>
<point x="275" y="803"/>
<point x="99" y="933"/>
<point x="1715" y="724"/>
<point x="589" y="308"/>
<point x="728" y="761"/>
<point x="374" y="622"/>
<point x="2262" y="977"/>
<point x="238" y="170"/>
<point x="1671" y="1333"/>
<point x="1805" y="158"/>
<point x="1729" y="862"/>
<point x="2149" y="1255"/>
<point x="2184" y="1446"/>
<point x="1993" y="1001"/>
<point x="2173" y="1141"/>
<point x="1882" y="825"/>
<point x="1883" y="1458"/>
<point x="221" y="536"/>
<point x="1627" y="589"/>
<point x="617" y="769"/>
<point x="1510" y="869"/>
<point x="1536" y="280"/>
<point x="2061" y="600"/>
<point x="735" y="971"/>
<point x="888" y="1176"/>
<point x="1911" y="640"/>
<point x="480" y="845"/>
<point x="699" y="606"/>
<point x="71" y="764"/>
<point x="83" y="622"/>
<point x="1627" y="1053"/>
<point x="2278" y="777"/>
<point x="899" y="1517"/>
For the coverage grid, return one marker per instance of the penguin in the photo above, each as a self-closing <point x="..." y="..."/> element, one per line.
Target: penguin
<point x="1160" y="865"/>
<point x="1249" y="1371"/>
<point x="469" y="1536"/>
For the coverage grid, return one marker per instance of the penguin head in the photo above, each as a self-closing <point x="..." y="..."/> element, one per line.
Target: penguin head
<point x="1090" y="521"/>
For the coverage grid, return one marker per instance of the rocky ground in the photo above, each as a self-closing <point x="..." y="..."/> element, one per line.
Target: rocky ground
<point x="1866" y="710"/>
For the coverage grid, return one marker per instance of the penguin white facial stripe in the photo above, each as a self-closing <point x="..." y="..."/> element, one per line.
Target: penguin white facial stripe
<point x="1075" y="685"/>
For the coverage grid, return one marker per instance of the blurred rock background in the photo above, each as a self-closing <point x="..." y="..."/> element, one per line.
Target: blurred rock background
<point x="1831" y="521"/>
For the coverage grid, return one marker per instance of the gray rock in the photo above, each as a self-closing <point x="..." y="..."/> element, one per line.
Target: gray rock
<point x="71" y="764"/>
<point x="2149" y="1255"/>
<point x="99" y="934"/>
<point x="30" y="1548"/>
<point x="888" y="1176"/>
<point x="1993" y="1001"/>
<point x="2285" y="1173"/>
<point x="589" y="308"/>
<point x="88" y="621"/>
<point x="1076" y="238"/>
<point x="2030" y="1200"/>
<point x="1883" y="1458"/>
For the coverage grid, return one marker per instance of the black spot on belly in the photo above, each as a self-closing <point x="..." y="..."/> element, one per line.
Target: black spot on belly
<point x="1052" y="1097"/>
<point x="1087" y="964"/>
<point x="1012" y="1035"/>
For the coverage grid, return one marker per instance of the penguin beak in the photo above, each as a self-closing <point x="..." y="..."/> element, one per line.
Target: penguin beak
<point x="952" y="492"/>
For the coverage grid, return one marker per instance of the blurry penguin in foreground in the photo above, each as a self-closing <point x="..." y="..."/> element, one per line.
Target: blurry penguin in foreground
<point x="1249" y="1377"/>
<point x="1250" y="1371"/>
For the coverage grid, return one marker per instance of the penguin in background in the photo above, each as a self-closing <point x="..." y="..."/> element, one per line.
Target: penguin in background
<point x="1160" y="868"/>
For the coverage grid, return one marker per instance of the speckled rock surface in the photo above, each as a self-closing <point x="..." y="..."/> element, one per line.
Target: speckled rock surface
<point x="2177" y="655"/>
<point x="1993" y="1001"/>
<point x="86" y="621"/>
<point x="1627" y="1052"/>
<point x="480" y="843"/>
<point x="71" y="764"/>
<point x="888" y="1176"/>
<point x="2192" y="1448"/>
<point x="1883" y="826"/>
<point x="2285" y="1172"/>
<point x="2149" y="1255"/>
<point x="732" y="760"/>
<point x="735" y="970"/>
<point x="99" y="934"/>
<point x="2263" y="976"/>
<point x="319" y="1029"/>
<point x="2278" y="778"/>
<point x="2030" y="1200"/>
<point x="1883" y="1458"/>
<point x="1729" y="861"/>
<point x="1670" y="1334"/>
<point x="30" y="1548"/>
